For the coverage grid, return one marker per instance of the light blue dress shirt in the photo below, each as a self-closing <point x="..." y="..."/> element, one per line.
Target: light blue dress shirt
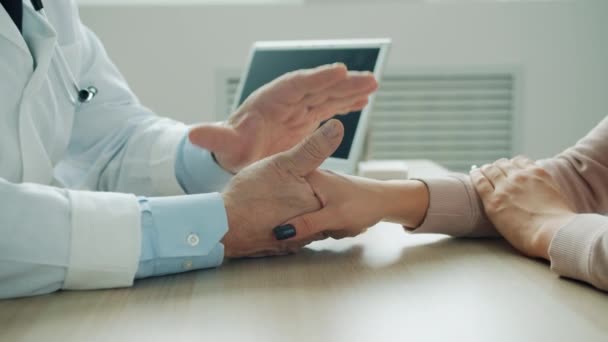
<point x="182" y="233"/>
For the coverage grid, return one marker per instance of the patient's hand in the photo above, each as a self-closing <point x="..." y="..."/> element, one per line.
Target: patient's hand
<point x="351" y="204"/>
<point x="524" y="203"/>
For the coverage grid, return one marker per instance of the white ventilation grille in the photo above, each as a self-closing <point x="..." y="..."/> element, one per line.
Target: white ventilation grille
<point x="455" y="119"/>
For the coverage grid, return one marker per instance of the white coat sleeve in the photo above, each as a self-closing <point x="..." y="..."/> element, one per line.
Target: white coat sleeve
<point x="117" y="144"/>
<point x="39" y="252"/>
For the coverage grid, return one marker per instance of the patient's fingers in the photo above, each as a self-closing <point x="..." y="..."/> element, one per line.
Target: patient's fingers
<point x="494" y="174"/>
<point x="522" y="162"/>
<point x="482" y="185"/>
<point x="286" y="247"/>
<point x="314" y="223"/>
<point x="506" y="166"/>
<point x="344" y="233"/>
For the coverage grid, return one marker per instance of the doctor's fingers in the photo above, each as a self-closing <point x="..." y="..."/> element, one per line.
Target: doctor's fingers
<point x="296" y="85"/>
<point x="357" y="82"/>
<point x="356" y="85"/>
<point x="309" y="154"/>
<point x="334" y="107"/>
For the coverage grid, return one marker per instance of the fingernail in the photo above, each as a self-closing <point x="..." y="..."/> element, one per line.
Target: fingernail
<point x="284" y="232"/>
<point x="330" y="129"/>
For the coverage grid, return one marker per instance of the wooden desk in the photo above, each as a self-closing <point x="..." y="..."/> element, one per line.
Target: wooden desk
<point x="385" y="285"/>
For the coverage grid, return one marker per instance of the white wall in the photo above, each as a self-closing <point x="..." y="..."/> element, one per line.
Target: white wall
<point x="170" y="54"/>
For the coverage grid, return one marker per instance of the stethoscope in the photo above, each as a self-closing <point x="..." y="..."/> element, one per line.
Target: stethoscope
<point x="84" y="95"/>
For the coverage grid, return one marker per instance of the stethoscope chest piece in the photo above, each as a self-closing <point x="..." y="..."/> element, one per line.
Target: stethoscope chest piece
<point x="86" y="95"/>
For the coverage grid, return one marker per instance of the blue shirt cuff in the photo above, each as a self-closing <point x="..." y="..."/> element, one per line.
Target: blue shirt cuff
<point x="196" y="170"/>
<point x="181" y="233"/>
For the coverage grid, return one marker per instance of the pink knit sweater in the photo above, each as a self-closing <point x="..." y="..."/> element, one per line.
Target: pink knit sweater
<point x="579" y="249"/>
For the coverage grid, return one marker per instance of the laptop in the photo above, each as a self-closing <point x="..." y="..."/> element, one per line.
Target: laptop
<point x="271" y="59"/>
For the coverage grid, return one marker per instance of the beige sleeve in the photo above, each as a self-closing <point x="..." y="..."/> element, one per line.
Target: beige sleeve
<point x="579" y="250"/>
<point x="455" y="208"/>
<point x="582" y="171"/>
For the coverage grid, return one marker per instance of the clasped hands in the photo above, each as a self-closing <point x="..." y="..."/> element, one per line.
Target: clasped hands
<point x="268" y="144"/>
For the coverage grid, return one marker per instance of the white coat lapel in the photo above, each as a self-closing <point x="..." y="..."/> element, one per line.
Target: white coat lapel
<point x="41" y="39"/>
<point x="10" y="32"/>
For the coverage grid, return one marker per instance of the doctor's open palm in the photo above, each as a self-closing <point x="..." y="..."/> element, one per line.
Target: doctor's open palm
<point x="274" y="190"/>
<point x="279" y="115"/>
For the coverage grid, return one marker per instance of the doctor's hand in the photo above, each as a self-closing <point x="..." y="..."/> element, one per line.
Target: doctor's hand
<point x="523" y="202"/>
<point x="273" y="191"/>
<point x="280" y="114"/>
<point x="353" y="204"/>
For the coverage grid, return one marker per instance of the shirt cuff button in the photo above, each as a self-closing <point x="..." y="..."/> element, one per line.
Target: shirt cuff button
<point x="193" y="240"/>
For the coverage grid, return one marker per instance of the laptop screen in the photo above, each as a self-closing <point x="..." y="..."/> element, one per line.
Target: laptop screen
<point x="267" y="65"/>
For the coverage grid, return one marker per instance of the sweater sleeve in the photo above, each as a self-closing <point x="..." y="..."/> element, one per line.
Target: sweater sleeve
<point x="455" y="208"/>
<point x="579" y="250"/>
<point x="581" y="171"/>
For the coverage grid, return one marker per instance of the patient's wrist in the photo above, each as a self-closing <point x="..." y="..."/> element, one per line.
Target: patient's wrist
<point x="407" y="202"/>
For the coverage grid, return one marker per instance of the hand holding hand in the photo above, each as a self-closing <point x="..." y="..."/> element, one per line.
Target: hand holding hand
<point x="524" y="203"/>
<point x="353" y="204"/>
<point x="280" y="114"/>
<point x="274" y="190"/>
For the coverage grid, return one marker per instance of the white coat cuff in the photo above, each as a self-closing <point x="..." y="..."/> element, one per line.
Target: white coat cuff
<point x="105" y="240"/>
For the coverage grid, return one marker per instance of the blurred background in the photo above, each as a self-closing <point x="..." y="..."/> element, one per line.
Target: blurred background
<point x="466" y="81"/>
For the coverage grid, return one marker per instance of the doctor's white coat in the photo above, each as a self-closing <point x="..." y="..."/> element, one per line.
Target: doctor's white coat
<point x="100" y="151"/>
